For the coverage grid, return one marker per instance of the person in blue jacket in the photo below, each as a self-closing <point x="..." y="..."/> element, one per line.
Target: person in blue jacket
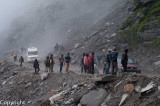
<point x="113" y="57"/>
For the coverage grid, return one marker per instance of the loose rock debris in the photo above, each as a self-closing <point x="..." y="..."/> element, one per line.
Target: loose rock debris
<point x="77" y="90"/>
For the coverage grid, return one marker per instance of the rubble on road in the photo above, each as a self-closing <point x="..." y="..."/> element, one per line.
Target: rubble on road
<point x="71" y="89"/>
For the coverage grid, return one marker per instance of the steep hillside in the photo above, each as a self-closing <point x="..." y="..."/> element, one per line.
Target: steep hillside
<point x="135" y="25"/>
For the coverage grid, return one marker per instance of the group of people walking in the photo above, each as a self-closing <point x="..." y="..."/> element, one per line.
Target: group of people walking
<point x="111" y="61"/>
<point x="87" y="63"/>
<point x="49" y="62"/>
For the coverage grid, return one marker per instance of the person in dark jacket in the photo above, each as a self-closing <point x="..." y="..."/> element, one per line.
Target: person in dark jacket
<point x="82" y="63"/>
<point x="67" y="61"/>
<point x="36" y="66"/>
<point x="61" y="62"/>
<point x="124" y="60"/>
<point x="113" y="57"/>
<point x="21" y="60"/>
<point x="47" y="64"/>
<point x="108" y="61"/>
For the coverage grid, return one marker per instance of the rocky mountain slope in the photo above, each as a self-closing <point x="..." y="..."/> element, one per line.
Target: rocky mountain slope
<point x="135" y="24"/>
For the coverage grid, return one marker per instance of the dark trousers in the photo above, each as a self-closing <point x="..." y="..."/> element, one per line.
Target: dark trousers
<point x="36" y="70"/>
<point x="61" y="67"/>
<point x="20" y="64"/>
<point x="86" y="67"/>
<point x="91" y="68"/>
<point x="124" y="65"/>
<point x="82" y="68"/>
<point x="107" y="67"/>
<point x="114" y="68"/>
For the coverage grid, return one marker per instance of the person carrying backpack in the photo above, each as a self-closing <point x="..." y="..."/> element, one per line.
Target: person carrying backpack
<point x="86" y="63"/>
<point x="82" y="63"/>
<point x="47" y="64"/>
<point x="51" y="63"/>
<point x="67" y="61"/>
<point x="61" y="62"/>
<point x="36" y="66"/>
<point x="91" y="63"/>
<point x="124" y="60"/>
<point x="113" y="57"/>
<point x="21" y="60"/>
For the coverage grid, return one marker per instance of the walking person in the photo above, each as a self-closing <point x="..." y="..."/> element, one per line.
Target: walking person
<point x="61" y="62"/>
<point x="91" y="63"/>
<point x="36" y="66"/>
<point x="51" y="63"/>
<point x="108" y="61"/>
<point x="82" y="63"/>
<point x="47" y="64"/>
<point x="86" y="64"/>
<point x="67" y="61"/>
<point x="124" y="60"/>
<point x="98" y="59"/>
<point x="21" y="60"/>
<point x="15" y="56"/>
<point x="113" y="57"/>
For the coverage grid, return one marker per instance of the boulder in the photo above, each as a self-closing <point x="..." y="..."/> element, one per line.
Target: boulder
<point x="106" y="100"/>
<point x="129" y="88"/>
<point x="77" y="45"/>
<point x="44" y="76"/>
<point x="102" y="78"/>
<point x="125" y="97"/>
<point x="94" y="98"/>
<point x="56" y="97"/>
<point x="46" y="103"/>
<point x="53" y="92"/>
<point x="138" y="88"/>
<point x="4" y="82"/>
<point x="149" y="88"/>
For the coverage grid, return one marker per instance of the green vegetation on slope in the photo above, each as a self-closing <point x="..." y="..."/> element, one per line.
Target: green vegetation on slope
<point x="141" y="19"/>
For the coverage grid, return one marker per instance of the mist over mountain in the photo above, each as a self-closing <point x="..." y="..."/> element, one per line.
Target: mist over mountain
<point x="45" y="23"/>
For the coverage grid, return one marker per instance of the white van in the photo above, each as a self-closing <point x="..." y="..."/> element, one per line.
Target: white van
<point x="32" y="54"/>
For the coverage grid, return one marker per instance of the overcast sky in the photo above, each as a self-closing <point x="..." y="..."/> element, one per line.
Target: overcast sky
<point x="10" y="9"/>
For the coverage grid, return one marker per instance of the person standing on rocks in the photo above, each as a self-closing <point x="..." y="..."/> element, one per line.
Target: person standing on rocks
<point x="61" y="62"/>
<point x="108" y="61"/>
<point x="67" y="61"/>
<point x="82" y="63"/>
<point x="86" y="63"/>
<point x="47" y="64"/>
<point x="15" y="56"/>
<point x="124" y="60"/>
<point x="51" y="63"/>
<point x="91" y="63"/>
<point x="21" y="60"/>
<point x="113" y="57"/>
<point x="36" y="66"/>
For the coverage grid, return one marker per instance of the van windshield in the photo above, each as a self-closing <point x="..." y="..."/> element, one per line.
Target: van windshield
<point x="130" y="61"/>
<point x="32" y="53"/>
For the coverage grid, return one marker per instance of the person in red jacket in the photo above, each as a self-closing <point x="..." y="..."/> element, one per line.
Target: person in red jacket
<point x="86" y="63"/>
<point x="91" y="63"/>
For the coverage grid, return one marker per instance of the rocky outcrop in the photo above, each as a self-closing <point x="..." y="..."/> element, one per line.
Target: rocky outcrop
<point x="97" y="96"/>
